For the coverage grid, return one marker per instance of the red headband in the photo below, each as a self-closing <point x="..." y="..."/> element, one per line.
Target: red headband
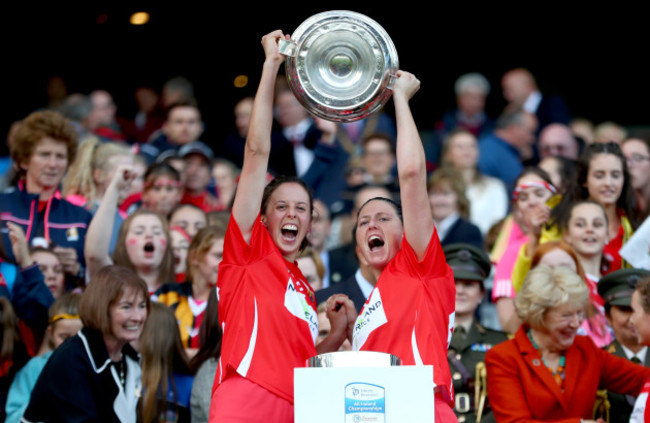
<point x="540" y="184"/>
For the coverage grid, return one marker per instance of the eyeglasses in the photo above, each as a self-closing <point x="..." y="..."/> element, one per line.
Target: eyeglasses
<point x="637" y="159"/>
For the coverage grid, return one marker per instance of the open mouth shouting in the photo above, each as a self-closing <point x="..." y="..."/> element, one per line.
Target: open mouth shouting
<point x="289" y="232"/>
<point x="149" y="249"/>
<point x="375" y="242"/>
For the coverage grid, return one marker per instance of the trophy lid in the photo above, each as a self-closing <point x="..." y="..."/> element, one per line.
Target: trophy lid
<point x="341" y="65"/>
<point x="354" y="359"/>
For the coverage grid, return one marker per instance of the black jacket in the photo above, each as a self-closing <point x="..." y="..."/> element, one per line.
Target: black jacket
<point x="80" y="383"/>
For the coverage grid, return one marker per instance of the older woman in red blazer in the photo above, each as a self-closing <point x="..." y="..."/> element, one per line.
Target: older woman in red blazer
<point x="547" y="372"/>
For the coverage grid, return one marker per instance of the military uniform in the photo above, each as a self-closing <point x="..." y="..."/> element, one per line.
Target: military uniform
<point x="616" y="289"/>
<point x="621" y="405"/>
<point x="465" y="352"/>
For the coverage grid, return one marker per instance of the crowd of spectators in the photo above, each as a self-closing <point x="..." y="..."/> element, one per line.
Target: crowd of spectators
<point x="138" y="208"/>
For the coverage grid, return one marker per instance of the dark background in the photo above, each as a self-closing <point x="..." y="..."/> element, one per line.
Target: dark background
<point x="592" y="57"/>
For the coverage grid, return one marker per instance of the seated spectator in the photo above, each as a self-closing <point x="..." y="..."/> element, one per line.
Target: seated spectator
<point x="502" y="154"/>
<point x="180" y="243"/>
<point x="556" y="139"/>
<point x="378" y="160"/>
<point x="64" y="324"/>
<point x="44" y="145"/>
<point x="601" y="176"/>
<point x="637" y="154"/>
<point x="94" y="376"/>
<point x="191" y="218"/>
<point x="190" y="298"/>
<point x="583" y="129"/>
<point x="616" y="289"/>
<point x="148" y="118"/>
<point x="487" y="195"/>
<point x="142" y="244"/>
<point x="205" y="361"/>
<point x="166" y="375"/>
<point x="560" y="169"/>
<point x="182" y="126"/>
<point x="470" y="340"/>
<point x="321" y="227"/>
<point x="224" y="174"/>
<point x="609" y="132"/>
<point x="162" y="189"/>
<point x="91" y="173"/>
<point x="350" y="134"/>
<point x="471" y="91"/>
<point x="51" y="268"/>
<point x="548" y="372"/>
<point x="450" y="209"/>
<point x="312" y="268"/>
<point x="198" y="161"/>
<point x="533" y="189"/>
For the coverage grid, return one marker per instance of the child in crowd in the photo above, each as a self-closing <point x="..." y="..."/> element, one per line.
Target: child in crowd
<point x="180" y="243"/>
<point x="161" y="192"/>
<point x="64" y="323"/>
<point x="189" y="299"/>
<point x="166" y="376"/>
<point x="188" y="217"/>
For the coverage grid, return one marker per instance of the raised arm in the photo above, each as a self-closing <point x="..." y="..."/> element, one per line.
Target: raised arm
<point x="97" y="246"/>
<point x="248" y="198"/>
<point x="411" y="167"/>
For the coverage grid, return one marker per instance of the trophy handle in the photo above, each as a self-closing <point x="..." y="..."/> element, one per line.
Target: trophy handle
<point x="287" y="47"/>
<point x="391" y="81"/>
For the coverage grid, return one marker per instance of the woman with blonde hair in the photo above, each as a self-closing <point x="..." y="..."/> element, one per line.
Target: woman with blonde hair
<point x="90" y="174"/>
<point x="548" y="372"/>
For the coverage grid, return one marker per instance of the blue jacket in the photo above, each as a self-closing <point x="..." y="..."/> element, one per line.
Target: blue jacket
<point x="64" y="224"/>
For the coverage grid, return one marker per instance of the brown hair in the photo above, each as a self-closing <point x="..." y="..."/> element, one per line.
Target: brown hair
<point x="121" y="256"/>
<point x="162" y="356"/>
<point x="270" y="188"/>
<point x="450" y="176"/>
<point x="105" y="289"/>
<point x="39" y="125"/>
<point x="200" y="245"/>
<point x="10" y="336"/>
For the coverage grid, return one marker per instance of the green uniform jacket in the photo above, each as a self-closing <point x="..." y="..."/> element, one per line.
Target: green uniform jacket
<point x="621" y="405"/>
<point x="469" y="351"/>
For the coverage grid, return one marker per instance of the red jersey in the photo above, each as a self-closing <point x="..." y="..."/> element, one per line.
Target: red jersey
<point x="410" y="313"/>
<point x="267" y="311"/>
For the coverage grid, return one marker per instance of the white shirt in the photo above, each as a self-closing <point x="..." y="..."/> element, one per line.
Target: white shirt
<point x="445" y="225"/>
<point x="532" y="102"/>
<point x="365" y="286"/>
<point x="301" y="154"/>
<point x="640" y="355"/>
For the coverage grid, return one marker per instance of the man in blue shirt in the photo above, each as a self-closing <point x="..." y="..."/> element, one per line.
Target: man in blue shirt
<point x="501" y="153"/>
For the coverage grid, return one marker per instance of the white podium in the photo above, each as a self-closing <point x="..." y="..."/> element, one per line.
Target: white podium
<point x="364" y="394"/>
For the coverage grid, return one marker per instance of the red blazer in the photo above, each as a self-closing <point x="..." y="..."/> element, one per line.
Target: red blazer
<point x="522" y="389"/>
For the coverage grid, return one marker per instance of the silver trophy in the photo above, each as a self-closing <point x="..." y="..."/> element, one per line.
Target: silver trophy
<point x="340" y="65"/>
